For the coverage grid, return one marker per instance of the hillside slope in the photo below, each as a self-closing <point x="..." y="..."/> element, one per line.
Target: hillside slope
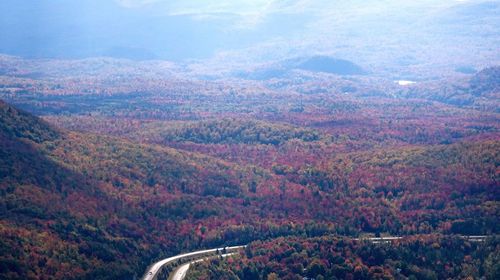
<point x="329" y="257"/>
<point x="85" y="206"/>
<point x="73" y="206"/>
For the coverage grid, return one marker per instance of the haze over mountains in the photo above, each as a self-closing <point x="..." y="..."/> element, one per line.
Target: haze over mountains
<point x="135" y="130"/>
<point x="381" y="36"/>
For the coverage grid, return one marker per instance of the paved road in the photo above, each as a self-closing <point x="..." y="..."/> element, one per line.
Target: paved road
<point x="387" y="239"/>
<point x="155" y="268"/>
<point x="181" y="272"/>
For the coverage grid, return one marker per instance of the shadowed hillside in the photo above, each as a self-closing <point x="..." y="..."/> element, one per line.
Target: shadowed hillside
<point x="330" y="65"/>
<point x="80" y="199"/>
<point x="486" y="81"/>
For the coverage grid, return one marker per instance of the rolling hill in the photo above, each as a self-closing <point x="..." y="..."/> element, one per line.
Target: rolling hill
<point x="330" y="65"/>
<point x="75" y="206"/>
<point x="84" y="206"/>
<point x="313" y="64"/>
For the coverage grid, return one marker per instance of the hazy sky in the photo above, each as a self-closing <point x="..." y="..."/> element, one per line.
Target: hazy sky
<point x="194" y="29"/>
<point x="255" y="11"/>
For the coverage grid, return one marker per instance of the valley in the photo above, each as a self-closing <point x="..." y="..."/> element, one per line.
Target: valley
<point x="118" y="180"/>
<point x="305" y="139"/>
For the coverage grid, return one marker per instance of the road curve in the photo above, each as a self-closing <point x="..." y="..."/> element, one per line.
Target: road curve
<point x="155" y="268"/>
<point x="181" y="271"/>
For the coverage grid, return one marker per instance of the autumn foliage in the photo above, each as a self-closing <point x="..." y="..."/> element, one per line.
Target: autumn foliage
<point x="107" y="182"/>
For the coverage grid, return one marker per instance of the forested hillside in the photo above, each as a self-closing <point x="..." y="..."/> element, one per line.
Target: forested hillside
<point x="346" y="139"/>
<point x="74" y="205"/>
<point x="85" y="206"/>
<point x="117" y="173"/>
<point x="418" y="257"/>
<point x="109" y="182"/>
<point x="232" y="131"/>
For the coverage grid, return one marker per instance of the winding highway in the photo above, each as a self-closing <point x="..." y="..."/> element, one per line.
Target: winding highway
<point x="153" y="270"/>
<point x="202" y="255"/>
<point x="181" y="272"/>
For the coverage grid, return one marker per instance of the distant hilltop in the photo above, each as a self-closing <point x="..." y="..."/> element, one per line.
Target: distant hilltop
<point x="316" y="64"/>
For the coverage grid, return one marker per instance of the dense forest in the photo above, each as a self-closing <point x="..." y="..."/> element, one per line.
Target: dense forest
<point x="238" y="140"/>
<point x="419" y="257"/>
<point x="101" y="184"/>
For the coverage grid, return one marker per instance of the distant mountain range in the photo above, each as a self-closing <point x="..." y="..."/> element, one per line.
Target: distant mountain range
<point x="392" y="34"/>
